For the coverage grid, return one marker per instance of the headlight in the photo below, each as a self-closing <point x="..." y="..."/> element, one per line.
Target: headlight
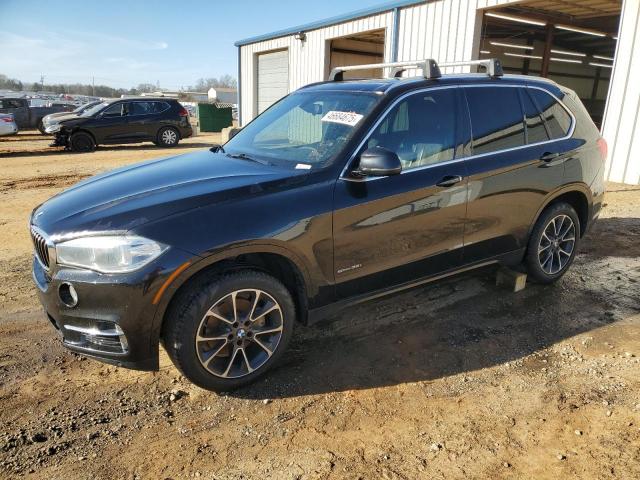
<point x="53" y="128"/>
<point x="109" y="254"/>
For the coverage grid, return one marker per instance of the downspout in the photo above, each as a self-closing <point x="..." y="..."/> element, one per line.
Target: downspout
<point x="395" y="40"/>
<point x="239" y="88"/>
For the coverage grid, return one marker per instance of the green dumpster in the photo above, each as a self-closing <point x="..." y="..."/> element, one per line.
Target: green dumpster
<point x="213" y="117"/>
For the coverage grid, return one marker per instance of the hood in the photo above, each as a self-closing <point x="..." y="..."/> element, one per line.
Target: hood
<point x="134" y="195"/>
<point x="58" y="117"/>
<point x="70" y="120"/>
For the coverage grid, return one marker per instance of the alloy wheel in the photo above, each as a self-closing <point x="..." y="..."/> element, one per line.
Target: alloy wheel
<point x="239" y="333"/>
<point x="556" y="244"/>
<point x="169" y="137"/>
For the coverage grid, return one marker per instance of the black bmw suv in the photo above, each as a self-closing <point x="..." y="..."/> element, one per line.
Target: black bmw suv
<point x="340" y="192"/>
<point x="162" y="121"/>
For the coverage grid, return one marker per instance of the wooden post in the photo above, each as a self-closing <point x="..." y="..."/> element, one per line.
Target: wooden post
<point x="547" y="51"/>
<point x="527" y="61"/>
<point x="594" y="90"/>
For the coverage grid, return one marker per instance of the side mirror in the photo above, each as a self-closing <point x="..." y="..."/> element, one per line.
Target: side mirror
<point x="378" y="162"/>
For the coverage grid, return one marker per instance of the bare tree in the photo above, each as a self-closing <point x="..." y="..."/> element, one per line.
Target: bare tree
<point x="204" y="84"/>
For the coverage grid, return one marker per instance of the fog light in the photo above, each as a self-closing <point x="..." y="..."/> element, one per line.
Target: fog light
<point x="68" y="295"/>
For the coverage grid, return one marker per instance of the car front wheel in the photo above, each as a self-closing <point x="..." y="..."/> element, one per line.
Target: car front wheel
<point x="167" y="137"/>
<point x="553" y="243"/>
<point x="227" y="331"/>
<point x="82" y="142"/>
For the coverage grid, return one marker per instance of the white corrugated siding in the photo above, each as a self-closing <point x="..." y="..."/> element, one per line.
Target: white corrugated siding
<point x="621" y="127"/>
<point x="306" y="59"/>
<point x="449" y="30"/>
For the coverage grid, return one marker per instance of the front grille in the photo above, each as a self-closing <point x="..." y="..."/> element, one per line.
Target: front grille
<point x="40" y="246"/>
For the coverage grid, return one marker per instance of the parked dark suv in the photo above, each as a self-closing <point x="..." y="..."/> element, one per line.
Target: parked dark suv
<point x="162" y="121"/>
<point x="340" y="192"/>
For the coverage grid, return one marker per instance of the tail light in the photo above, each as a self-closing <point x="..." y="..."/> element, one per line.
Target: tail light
<point x="603" y="147"/>
<point x="7" y="119"/>
<point x="183" y="112"/>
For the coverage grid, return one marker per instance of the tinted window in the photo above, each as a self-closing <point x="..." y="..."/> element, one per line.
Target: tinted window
<point x="536" y="132"/>
<point x="115" y="110"/>
<point x="420" y="129"/>
<point x="496" y="118"/>
<point x="160" y="107"/>
<point x="556" y="117"/>
<point x="11" y="103"/>
<point x="141" y="108"/>
<point x="147" y="108"/>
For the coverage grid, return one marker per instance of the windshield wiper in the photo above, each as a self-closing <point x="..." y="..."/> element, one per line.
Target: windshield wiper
<point x="244" y="156"/>
<point x="217" y="148"/>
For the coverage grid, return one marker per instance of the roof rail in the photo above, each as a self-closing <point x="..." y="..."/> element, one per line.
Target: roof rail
<point x="430" y="69"/>
<point x="492" y="65"/>
<point x="428" y="66"/>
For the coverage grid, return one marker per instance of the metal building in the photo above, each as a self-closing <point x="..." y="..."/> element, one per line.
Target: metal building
<point x="587" y="45"/>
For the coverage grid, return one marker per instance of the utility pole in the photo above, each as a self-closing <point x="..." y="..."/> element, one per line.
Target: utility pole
<point x="42" y="81"/>
<point x="93" y="86"/>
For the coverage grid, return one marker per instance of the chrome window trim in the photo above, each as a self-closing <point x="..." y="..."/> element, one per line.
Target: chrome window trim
<point x="384" y="114"/>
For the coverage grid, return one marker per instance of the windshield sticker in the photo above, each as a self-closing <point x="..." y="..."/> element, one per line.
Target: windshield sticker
<point x="346" y="118"/>
<point x="303" y="166"/>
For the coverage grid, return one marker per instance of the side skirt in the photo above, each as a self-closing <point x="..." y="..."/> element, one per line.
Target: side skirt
<point x="315" y="315"/>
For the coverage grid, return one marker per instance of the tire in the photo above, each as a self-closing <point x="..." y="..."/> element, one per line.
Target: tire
<point x="41" y="128"/>
<point x="82" y="142"/>
<point x="167" y="137"/>
<point x="552" y="246"/>
<point x="204" y="311"/>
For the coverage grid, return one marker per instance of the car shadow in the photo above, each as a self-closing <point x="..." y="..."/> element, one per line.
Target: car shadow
<point x="459" y="325"/>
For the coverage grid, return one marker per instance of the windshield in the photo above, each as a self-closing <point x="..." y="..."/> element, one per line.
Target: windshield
<point x="95" y="109"/>
<point x="86" y="106"/>
<point x="304" y="130"/>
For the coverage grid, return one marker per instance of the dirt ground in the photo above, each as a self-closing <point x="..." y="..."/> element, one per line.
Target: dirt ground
<point x="457" y="379"/>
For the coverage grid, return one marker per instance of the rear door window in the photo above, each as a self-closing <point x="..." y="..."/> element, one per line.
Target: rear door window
<point x="158" y="107"/>
<point x="557" y="119"/>
<point x="536" y="131"/>
<point x="141" y="108"/>
<point x="496" y="118"/>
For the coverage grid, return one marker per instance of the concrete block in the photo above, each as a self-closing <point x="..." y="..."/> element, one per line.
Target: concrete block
<point x="514" y="281"/>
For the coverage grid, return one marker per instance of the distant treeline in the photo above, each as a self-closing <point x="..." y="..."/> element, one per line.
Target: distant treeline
<point x="202" y="85"/>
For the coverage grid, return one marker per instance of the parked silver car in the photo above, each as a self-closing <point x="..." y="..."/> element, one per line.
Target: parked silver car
<point x="8" y="125"/>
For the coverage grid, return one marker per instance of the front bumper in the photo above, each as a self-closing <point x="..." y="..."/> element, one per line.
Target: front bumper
<point x="114" y="315"/>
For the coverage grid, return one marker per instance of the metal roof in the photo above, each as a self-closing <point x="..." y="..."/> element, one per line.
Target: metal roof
<point x="365" y="12"/>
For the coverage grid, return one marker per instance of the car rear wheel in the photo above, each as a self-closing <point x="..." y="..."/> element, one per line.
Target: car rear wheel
<point x="82" y="142"/>
<point x="553" y="243"/>
<point x="168" y="137"/>
<point x="227" y="331"/>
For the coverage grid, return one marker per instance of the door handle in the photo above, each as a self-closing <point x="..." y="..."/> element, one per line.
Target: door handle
<point x="547" y="157"/>
<point x="449" y="181"/>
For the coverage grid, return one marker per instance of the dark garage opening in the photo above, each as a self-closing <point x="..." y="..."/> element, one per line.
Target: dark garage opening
<point x="571" y="42"/>
<point x="358" y="49"/>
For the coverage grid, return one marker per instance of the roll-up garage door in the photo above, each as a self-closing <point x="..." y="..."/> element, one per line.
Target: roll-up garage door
<point x="273" y="78"/>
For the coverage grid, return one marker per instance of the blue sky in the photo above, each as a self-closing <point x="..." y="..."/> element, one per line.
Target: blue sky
<point x="124" y="43"/>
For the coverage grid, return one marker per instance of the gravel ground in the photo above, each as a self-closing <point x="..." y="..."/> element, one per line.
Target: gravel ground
<point x="457" y="379"/>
